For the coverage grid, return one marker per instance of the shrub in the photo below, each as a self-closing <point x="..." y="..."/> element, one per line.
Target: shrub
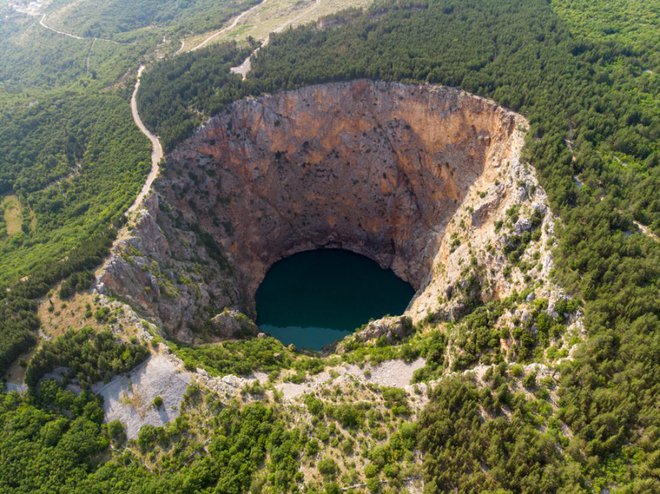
<point x="529" y="382"/>
<point x="327" y="467"/>
<point x="87" y="355"/>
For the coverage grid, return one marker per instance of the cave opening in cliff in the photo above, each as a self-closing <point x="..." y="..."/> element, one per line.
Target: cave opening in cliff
<point x="315" y="298"/>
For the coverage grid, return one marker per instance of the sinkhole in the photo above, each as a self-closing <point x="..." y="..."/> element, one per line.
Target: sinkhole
<point x="315" y="298"/>
<point x="376" y="168"/>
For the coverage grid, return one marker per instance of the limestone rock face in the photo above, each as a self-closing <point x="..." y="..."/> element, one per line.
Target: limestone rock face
<point x="393" y="328"/>
<point x="231" y="323"/>
<point x="168" y="274"/>
<point x="412" y="176"/>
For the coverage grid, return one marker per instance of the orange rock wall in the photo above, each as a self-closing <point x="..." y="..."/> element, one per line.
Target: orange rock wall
<point x="377" y="168"/>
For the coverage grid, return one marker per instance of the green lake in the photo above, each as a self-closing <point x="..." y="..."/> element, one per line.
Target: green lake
<point x="315" y="298"/>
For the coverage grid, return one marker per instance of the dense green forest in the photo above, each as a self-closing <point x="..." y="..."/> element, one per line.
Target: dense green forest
<point x="200" y="86"/>
<point x="631" y="23"/>
<point x="60" y="448"/>
<point x="586" y="77"/>
<point x="88" y="356"/>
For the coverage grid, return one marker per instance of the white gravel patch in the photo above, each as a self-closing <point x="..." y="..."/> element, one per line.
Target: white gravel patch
<point x="18" y="387"/>
<point x="293" y="390"/>
<point x="129" y="397"/>
<point x="262" y="377"/>
<point x="393" y="373"/>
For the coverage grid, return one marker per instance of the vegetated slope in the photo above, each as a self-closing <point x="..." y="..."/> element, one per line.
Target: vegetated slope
<point x="59" y="170"/>
<point x="633" y="23"/>
<point x="594" y="113"/>
<point x="34" y="57"/>
<point x="114" y="18"/>
<point x="76" y="176"/>
<point x="70" y="152"/>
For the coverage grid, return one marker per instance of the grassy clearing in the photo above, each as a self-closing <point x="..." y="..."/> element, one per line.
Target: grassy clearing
<point x="272" y="15"/>
<point x="57" y="315"/>
<point x="630" y="22"/>
<point x="13" y="214"/>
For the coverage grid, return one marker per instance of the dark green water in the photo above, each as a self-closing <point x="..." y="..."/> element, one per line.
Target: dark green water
<point x="317" y="297"/>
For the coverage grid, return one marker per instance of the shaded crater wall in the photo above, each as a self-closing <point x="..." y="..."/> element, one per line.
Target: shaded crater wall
<point x="377" y="168"/>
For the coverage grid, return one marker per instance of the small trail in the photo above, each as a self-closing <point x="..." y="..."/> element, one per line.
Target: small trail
<point x="183" y="45"/>
<point x="89" y="55"/>
<point x="42" y="23"/>
<point x="234" y="23"/>
<point x="156" y="157"/>
<point x="646" y="231"/>
<point x="156" y="147"/>
<point x="246" y="66"/>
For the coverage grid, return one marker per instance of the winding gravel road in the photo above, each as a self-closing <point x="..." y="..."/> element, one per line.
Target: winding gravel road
<point x="156" y="147"/>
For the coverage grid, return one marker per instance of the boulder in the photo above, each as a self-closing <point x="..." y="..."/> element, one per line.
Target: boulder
<point x="230" y="324"/>
<point x="391" y="328"/>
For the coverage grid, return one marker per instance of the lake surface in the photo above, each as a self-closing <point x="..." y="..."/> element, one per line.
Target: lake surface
<point x="317" y="297"/>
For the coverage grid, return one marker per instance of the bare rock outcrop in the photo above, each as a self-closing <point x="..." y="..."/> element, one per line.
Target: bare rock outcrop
<point x="420" y="178"/>
<point x="391" y="328"/>
<point x="231" y="323"/>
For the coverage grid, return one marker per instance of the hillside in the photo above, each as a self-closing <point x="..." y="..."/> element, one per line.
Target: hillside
<point x="501" y="156"/>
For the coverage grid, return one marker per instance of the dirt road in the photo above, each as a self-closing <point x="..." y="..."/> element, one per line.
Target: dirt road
<point x="156" y="148"/>
<point x="225" y="29"/>
<point x="42" y="23"/>
<point x="245" y="67"/>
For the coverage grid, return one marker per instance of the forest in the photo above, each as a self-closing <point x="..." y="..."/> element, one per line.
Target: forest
<point x="59" y="171"/>
<point x="587" y="80"/>
<point x="200" y="86"/>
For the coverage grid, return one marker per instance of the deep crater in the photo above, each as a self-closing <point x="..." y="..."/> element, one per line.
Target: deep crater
<point x="376" y="168"/>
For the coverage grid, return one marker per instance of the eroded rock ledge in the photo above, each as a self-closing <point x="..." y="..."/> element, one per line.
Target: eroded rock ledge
<point x="416" y="177"/>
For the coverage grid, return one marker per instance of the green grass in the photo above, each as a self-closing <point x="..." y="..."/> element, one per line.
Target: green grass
<point x="244" y="357"/>
<point x="123" y="20"/>
<point x="13" y="214"/>
<point x="635" y="23"/>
